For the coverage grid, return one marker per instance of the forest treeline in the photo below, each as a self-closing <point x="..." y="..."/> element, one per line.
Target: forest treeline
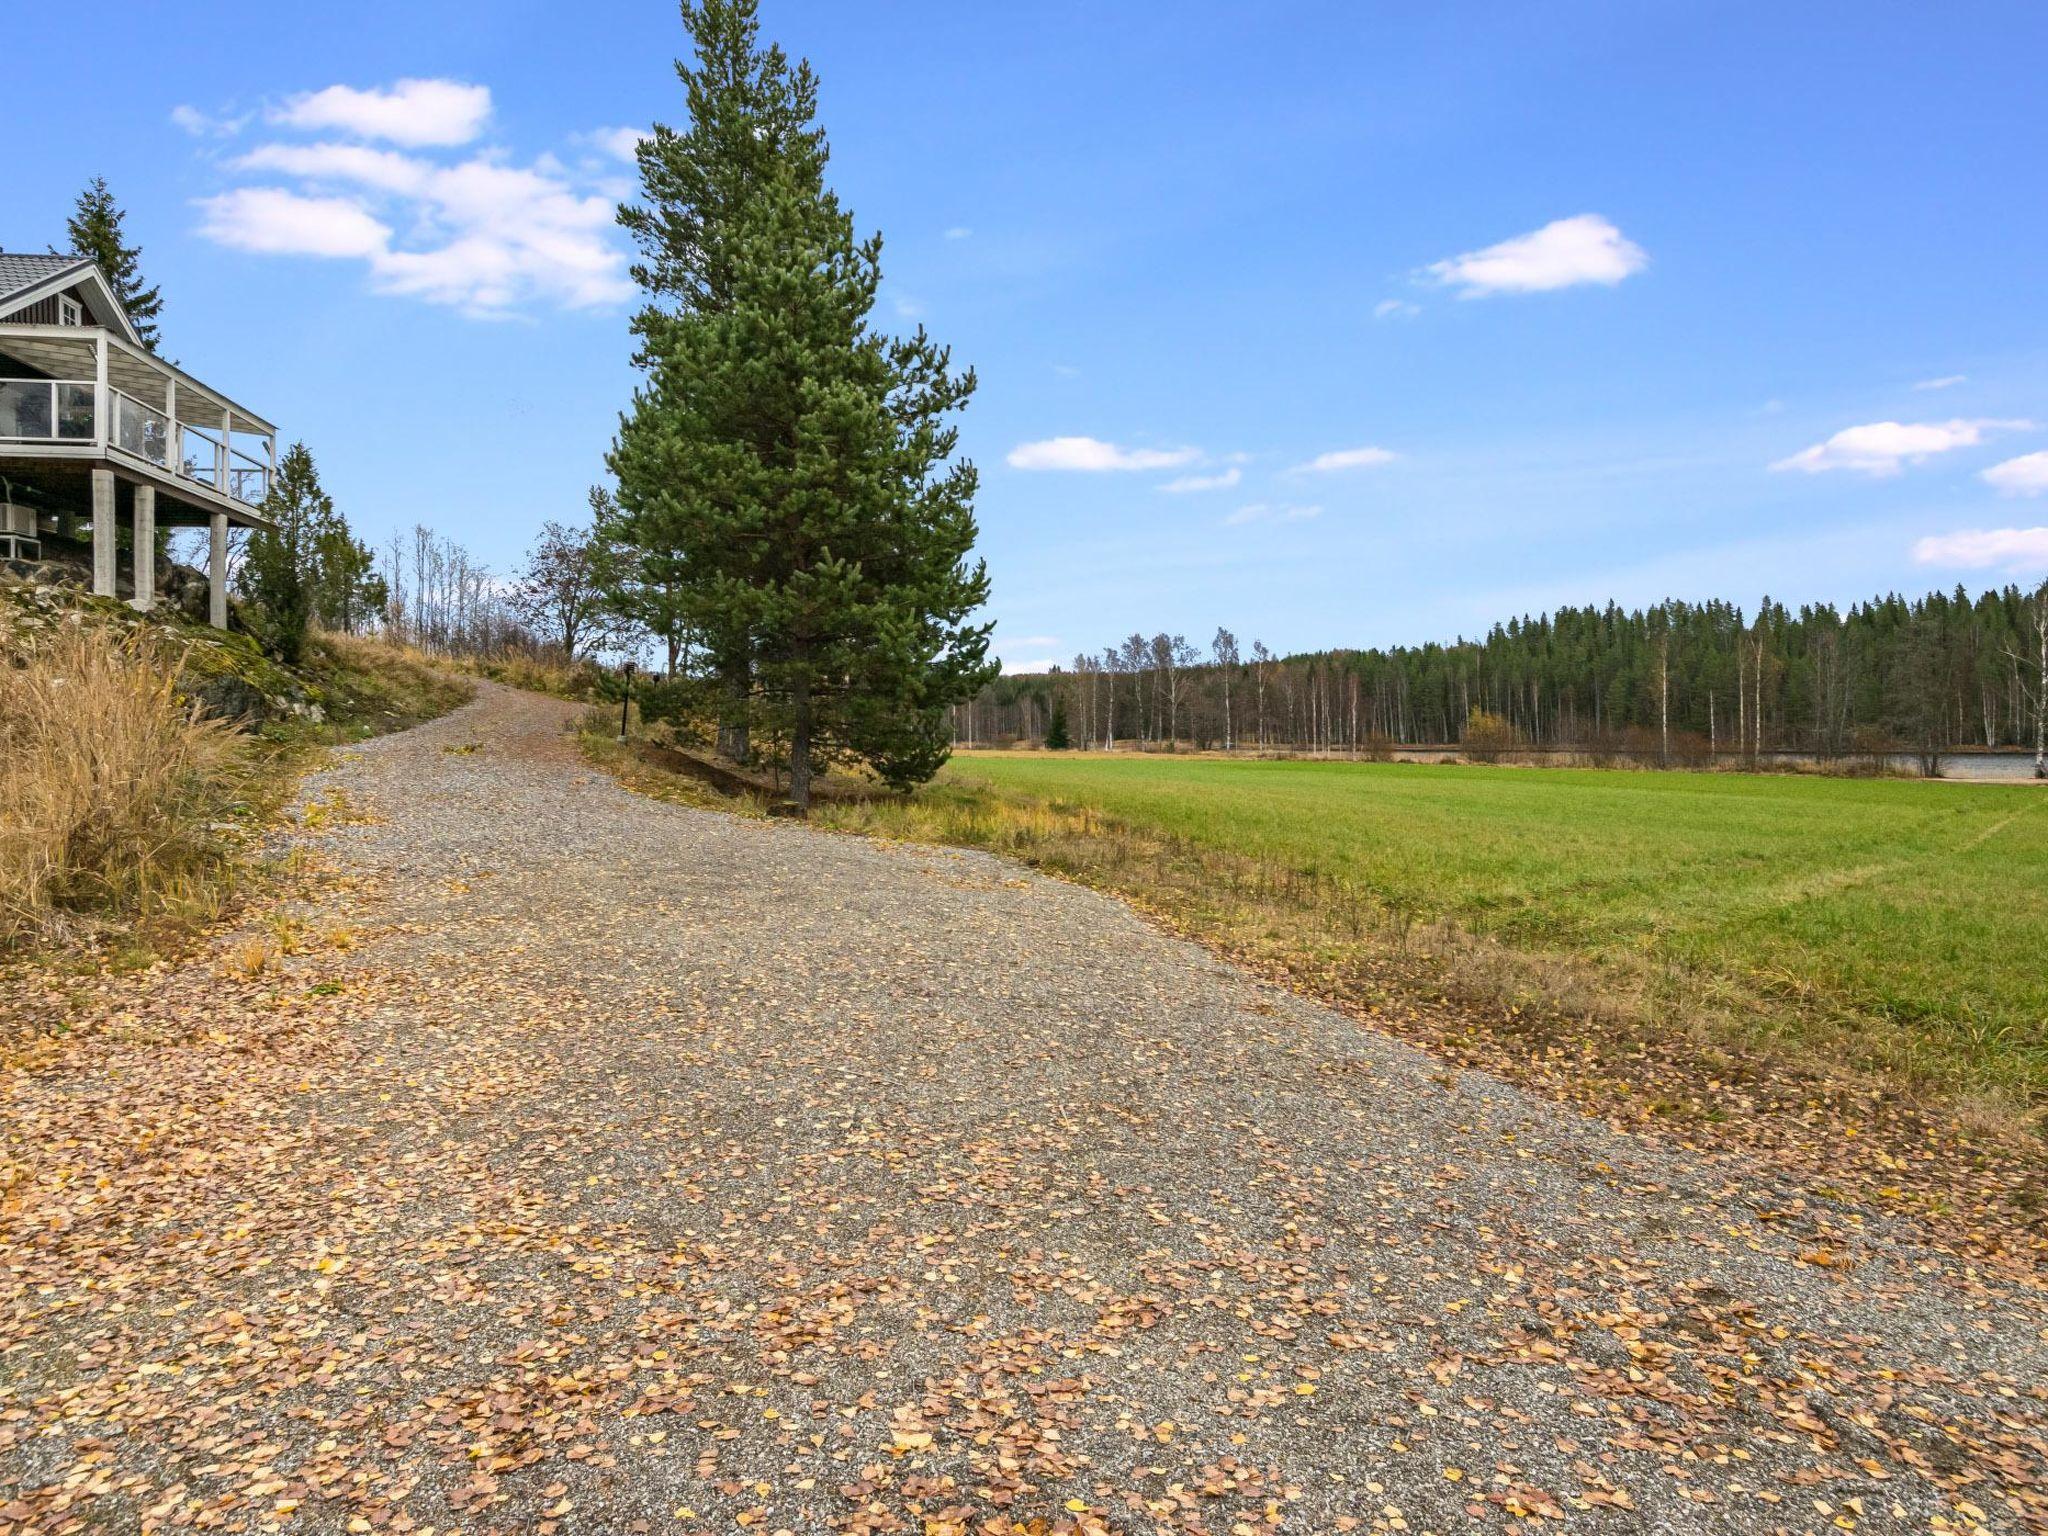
<point x="1679" y="680"/>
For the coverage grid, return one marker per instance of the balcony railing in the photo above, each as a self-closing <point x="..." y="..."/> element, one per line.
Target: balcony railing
<point x="46" y="410"/>
<point x="63" y="411"/>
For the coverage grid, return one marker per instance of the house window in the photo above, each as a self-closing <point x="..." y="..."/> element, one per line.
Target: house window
<point x="68" y="312"/>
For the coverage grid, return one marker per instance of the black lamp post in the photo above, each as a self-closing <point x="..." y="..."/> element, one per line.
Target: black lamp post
<point x="625" y="701"/>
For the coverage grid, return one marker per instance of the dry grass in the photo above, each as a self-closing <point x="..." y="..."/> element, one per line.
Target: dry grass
<point x="536" y="674"/>
<point x="375" y="687"/>
<point x="597" y="736"/>
<point x="109" y="780"/>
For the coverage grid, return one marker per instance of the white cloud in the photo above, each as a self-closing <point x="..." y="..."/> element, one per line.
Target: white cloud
<point x="1388" y="309"/>
<point x="480" y="234"/>
<point x="1346" y="458"/>
<point x="2011" y="549"/>
<point x="2026" y="475"/>
<point x="1562" y="254"/>
<point x="619" y="143"/>
<point x="1066" y="370"/>
<point x="906" y="307"/>
<point x="273" y="222"/>
<point x="415" y="113"/>
<point x="1030" y="665"/>
<point x="1946" y="381"/>
<point x="1092" y="455"/>
<point x="1883" y="447"/>
<point x="203" y="125"/>
<point x="959" y="232"/>
<point x="1187" y="483"/>
<point x="386" y="170"/>
<point x="1261" y="512"/>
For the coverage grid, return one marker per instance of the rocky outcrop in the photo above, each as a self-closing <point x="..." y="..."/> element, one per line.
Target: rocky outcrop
<point x="226" y="672"/>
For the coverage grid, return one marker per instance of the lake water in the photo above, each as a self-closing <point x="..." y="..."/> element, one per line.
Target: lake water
<point x="2003" y="767"/>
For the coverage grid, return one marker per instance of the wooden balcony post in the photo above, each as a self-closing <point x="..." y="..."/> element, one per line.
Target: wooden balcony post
<point x="145" y="549"/>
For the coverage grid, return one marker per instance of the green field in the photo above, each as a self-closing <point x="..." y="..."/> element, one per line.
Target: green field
<point x="1919" y="910"/>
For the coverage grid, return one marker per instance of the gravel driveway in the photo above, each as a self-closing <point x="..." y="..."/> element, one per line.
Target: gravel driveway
<point x="592" y="1164"/>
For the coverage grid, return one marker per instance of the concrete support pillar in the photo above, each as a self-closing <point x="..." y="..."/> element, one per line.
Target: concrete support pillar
<point x="103" y="533"/>
<point x="145" y="548"/>
<point x="217" y="572"/>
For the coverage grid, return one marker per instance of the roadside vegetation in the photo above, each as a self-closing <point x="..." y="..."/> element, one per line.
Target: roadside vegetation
<point x="109" y="778"/>
<point x="1838" y="971"/>
<point x="140" y="757"/>
<point x="1883" y="917"/>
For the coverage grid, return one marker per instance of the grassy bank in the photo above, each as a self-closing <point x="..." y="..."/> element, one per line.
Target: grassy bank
<point x="370" y="688"/>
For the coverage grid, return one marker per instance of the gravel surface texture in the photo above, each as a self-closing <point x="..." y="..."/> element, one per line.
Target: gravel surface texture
<point x="593" y="1164"/>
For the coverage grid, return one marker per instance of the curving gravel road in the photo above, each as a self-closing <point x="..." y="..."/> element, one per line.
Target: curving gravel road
<point x="592" y="1164"/>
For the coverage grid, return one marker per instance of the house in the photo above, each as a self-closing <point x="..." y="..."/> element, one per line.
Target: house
<point x="95" y="429"/>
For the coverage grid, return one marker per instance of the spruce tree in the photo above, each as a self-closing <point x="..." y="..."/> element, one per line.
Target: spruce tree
<point x="1056" y="737"/>
<point x="307" y="567"/>
<point x="95" y="231"/>
<point x="798" y="463"/>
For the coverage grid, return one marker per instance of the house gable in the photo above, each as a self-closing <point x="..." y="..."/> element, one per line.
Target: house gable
<point x="33" y="291"/>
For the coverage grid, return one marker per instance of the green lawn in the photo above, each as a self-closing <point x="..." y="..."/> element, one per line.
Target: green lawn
<point x="1921" y="904"/>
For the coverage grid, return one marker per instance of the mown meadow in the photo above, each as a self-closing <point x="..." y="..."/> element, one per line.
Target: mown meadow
<point x="1900" y="923"/>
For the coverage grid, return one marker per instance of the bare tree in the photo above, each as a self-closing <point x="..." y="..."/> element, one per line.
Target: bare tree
<point x="1664" y="692"/>
<point x="1830" y="693"/>
<point x="2040" y="700"/>
<point x="1261" y="659"/>
<point x="2041" y="688"/>
<point x="560" y="594"/>
<point x="1224" y="649"/>
<point x="1132" y="664"/>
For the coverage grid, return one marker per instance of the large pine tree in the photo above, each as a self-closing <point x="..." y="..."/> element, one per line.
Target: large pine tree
<point x="796" y="463"/>
<point x="95" y="231"/>
<point x="749" y="110"/>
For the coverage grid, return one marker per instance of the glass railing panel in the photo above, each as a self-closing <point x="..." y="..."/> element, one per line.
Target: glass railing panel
<point x="75" y="413"/>
<point x="249" y="483"/>
<point x="141" y="430"/>
<point x="198" y="455"/>
<point x="26" y="408"/>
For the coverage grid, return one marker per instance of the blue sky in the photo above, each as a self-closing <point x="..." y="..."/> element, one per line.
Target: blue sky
<point x="1568" y="302"/>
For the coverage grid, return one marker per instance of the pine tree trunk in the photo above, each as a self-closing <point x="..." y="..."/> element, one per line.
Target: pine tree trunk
<point x="733" y="743"/>
<point x="800" y="748"/>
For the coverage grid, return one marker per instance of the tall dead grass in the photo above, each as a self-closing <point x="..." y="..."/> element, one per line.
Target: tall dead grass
<point x="108" y="779"/>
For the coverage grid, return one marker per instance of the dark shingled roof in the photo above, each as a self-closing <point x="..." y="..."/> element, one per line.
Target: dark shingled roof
<point x="26" y="269"/>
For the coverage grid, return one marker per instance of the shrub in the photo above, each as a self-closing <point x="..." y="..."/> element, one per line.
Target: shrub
<point x="1487" y="736"/>
<point x="108" y="778"/>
